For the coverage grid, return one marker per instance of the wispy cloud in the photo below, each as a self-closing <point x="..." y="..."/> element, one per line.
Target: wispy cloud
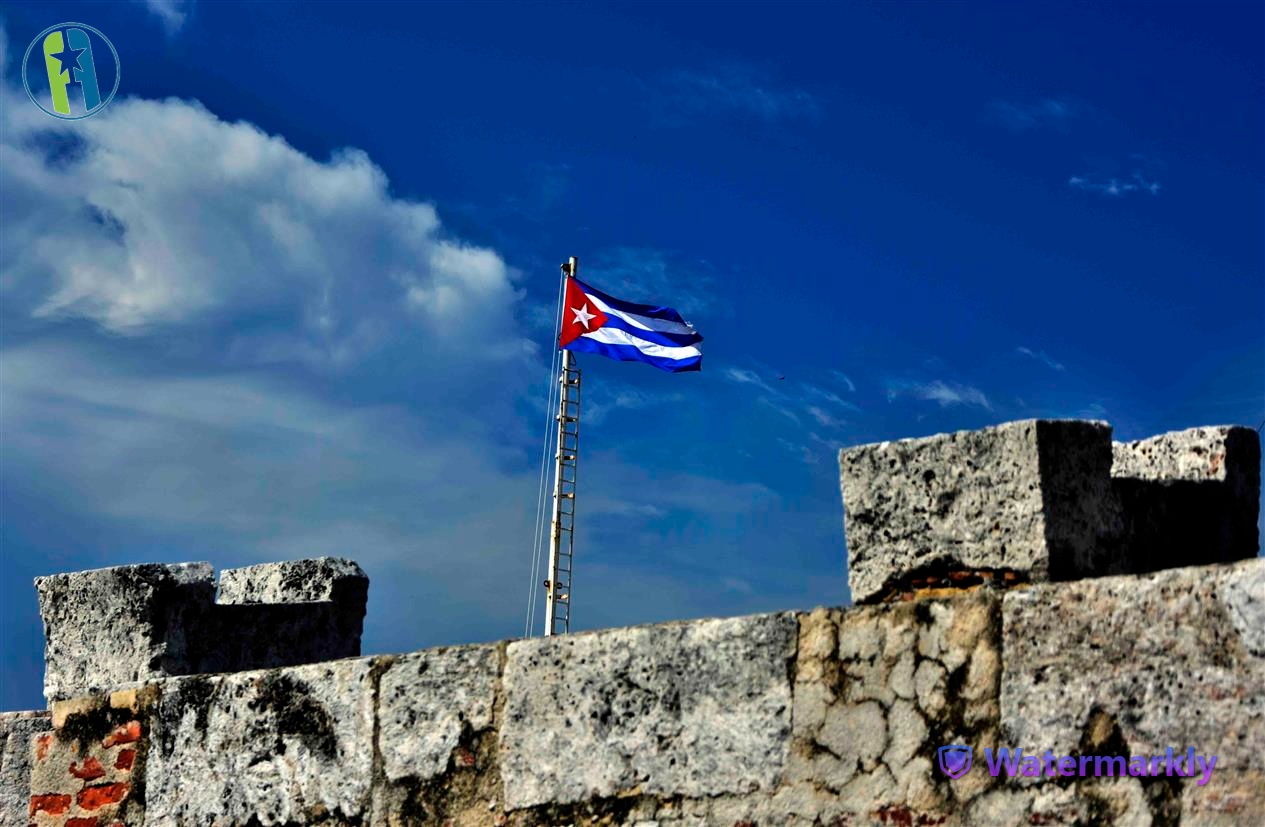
<point x="1040" y="356"/>
<point x="1050" y="112"/>
<point x="781" y="408"/>
<point x="804" y="453"/>
<point x="824" y="418"/>
<point x="843" y="377"/>
<point x="172" y="13"/>
<point x="734" y="90"/>
<point x="601" y="402"/>
<point x="655" y="276"/>
<point x="795" y="401"/>
<point x="748" y="377"/>
<point x="830" y="396"/>
<point x="1115" y="187"/>
<point x="946" y="394"/>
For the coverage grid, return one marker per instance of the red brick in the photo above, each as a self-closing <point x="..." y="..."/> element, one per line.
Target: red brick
<point x="52" y="803"/>
<point x="82" y="822"/>
<point x="126" y="758"/>
<point x="90" y="771"/>
<point x="95" y="797"/>
<point x="126" y="734"/>
<point x="41" y="746"/>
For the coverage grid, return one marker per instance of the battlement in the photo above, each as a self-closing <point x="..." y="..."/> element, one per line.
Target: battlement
<point x="1010" y="605"/>
<point x="1045" y="501"/>
<point x="113" y="627"/>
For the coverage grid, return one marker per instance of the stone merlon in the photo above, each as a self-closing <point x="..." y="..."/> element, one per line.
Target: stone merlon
<point x="111" y="627"/>
<point x="1045" y="500"/>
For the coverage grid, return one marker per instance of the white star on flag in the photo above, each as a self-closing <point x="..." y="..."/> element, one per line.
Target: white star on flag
<point x="582" y="315"/>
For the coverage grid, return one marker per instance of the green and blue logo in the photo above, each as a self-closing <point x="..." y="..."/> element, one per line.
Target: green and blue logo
<point x="79" y="65"/>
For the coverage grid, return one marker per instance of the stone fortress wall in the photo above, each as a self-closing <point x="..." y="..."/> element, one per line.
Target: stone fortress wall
<point x="1030" y="585"/>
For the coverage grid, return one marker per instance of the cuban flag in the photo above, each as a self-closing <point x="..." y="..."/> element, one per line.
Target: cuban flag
<point x="593" y="322"/>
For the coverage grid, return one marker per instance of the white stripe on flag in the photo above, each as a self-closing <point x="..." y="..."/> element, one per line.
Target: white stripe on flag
<point x="643" y="322"/>
<point x="614" y="336"/>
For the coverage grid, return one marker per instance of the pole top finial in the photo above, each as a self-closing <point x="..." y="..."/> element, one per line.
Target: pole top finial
<point x="570" y="266"/>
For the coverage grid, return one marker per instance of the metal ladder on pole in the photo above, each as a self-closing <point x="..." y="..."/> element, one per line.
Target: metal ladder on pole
<point x="558" y="587"/>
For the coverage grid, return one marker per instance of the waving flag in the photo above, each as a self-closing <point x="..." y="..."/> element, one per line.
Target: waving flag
<point x="593" y="322"/>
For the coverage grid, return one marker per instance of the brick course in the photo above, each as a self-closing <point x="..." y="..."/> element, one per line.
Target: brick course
<point x="82" y="773"/>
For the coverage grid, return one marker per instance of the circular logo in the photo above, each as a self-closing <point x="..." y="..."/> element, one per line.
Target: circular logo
<point x="71" y="71"/>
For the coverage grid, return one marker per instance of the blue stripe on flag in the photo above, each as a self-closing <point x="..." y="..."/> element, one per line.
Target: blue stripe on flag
<point x="658" y="337"/>
<point x="650" y="310"/>
<point x="629" y="353"/>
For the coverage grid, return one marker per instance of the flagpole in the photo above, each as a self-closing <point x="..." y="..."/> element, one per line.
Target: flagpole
<point x="562" y="526"/>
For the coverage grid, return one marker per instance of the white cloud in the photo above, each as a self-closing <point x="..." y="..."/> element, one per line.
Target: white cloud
<point x="172" y="13"/>
<point x="744" y="376"/>
<point x="736" y="90"/>
<point x="601" y="400"/>
<point x="256" y="458"/>
<point x="780" y="407"/>
<point x="824" y="418"/>
<point x="831" y="397"/>
<point x="946" y="394"/>
<point x="147" y="241"/>
<point x="803" y="453"/>
<point x="845" y="380"/>
<point x="1050" y="112"/>
<point x="1040" y="356"/>
<point x="654" y="277"/>
<point x="1114" y="187"/>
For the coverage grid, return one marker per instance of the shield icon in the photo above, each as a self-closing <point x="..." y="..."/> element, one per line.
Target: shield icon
<point x="955" y="760"/>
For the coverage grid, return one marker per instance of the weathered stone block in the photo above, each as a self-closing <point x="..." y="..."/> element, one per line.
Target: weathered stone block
<point x="108" y="627"/>
<point x="1135" y="665"/>
<point x="1031" y="497"/>
<point x="17" y="730"/>
<point x="429" y="701"/>
<point x="1190" y="496"/>
<point x="296" y="581"/>
<point x="283" y="746"/>
<point x="690" y="709"/>
<point x="877" y="690"/>
<point x="286" y="614"/>
<point x="111" y="627"/>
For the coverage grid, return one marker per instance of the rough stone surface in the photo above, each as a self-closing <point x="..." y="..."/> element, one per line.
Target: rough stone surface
<point x="429" y="701"/>
<point x="798" y="720"/>
<point x="1212" y="453"/>
<point x="295" y="581"/>
<point x="681" y="709"/>
<point x="1140" y="664"/>
<point x="84" y="772"/>
<point x="1031" y="497"/>
<point x="108" y="627"/>
<point x="284" y="746"/>
<point x="16" y="731"/>
<point x="877" y="690"/>
<point x="1190" y="496"/>
<point x="116" y="626"/>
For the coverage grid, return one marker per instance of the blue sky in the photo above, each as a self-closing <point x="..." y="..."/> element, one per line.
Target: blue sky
<point x="290" y="293"/>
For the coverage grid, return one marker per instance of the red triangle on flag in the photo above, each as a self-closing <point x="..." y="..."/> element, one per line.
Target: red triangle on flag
<point x="579" y="315"/>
